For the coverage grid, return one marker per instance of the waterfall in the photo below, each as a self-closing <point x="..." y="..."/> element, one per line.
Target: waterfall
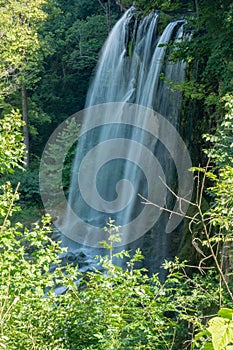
<point x="128" y="85"/>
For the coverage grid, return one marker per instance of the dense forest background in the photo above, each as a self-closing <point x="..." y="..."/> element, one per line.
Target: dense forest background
<point x="49" y="49"/>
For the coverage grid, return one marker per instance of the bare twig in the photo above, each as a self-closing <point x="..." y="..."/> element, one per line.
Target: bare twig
<point x="148" y="202"/>
<point x="215" y="257"/>
<point x="174" y="194"/>
<point x="195" y="244"/>
<point x="203" y="220"/>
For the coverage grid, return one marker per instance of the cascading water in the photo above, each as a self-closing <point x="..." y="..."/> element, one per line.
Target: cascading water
<point x="129" y="69"/>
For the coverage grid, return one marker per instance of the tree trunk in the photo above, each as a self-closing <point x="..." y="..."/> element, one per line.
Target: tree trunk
<point x="25" y="127"/>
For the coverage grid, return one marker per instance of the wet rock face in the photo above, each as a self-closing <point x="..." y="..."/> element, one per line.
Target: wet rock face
<point x="82" y="257"/>
<point x="85" y="263"/>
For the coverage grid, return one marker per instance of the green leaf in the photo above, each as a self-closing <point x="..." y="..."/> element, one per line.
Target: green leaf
<point x="201" y="334"/>
<point x="226" y="313"/>
<point x="208" y="346"/>
<point x="222" y="332"/>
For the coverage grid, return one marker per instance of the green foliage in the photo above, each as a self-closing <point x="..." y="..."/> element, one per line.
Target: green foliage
<point x="166" y="6"/>
<point x="217" y="229"/>
<point x="29" y="307"/>
<point x="111" y="309"/>
<point x="51" y="47"/>
<point x="221" y="154"/>
<point x="210" y="48"/>
<point x="27" y="215"/>
<point x="12" y="159"/>
<point x="126" y="309"/>
<point x="222" y="140"/>
<point x="57" y="159"/>
<point x="29" y="184"/>
<point x="88" y="36"/>
<point x="76" y="32"/>
<point x="11" y="140"/>
<point x="21" y="46"/>
<point x="220" y="329"/>
<point x="114" y="235"/>
<point x="7" y="198"/>
<point x="222" y="211"/>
